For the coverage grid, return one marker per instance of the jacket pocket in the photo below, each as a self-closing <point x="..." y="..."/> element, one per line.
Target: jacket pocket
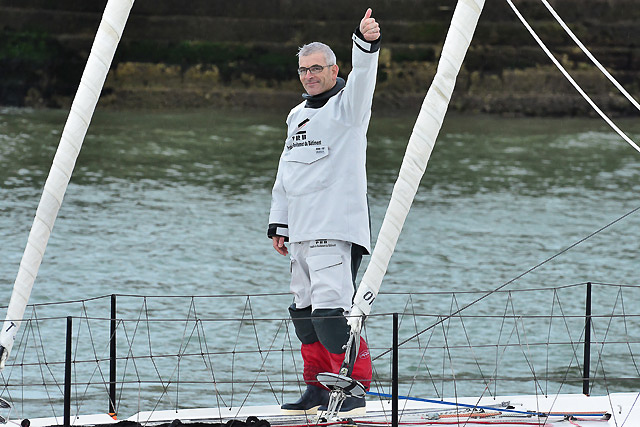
<point x="327" y="277"/>
<point x="320" y="262"/>
<point x="307" y="155"/>
<point x="307" y="170"/>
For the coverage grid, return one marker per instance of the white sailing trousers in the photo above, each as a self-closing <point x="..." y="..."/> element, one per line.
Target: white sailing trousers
<point x="321" y="274"/>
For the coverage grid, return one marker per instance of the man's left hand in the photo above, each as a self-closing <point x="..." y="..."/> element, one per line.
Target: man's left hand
<point x="369" y="28"/>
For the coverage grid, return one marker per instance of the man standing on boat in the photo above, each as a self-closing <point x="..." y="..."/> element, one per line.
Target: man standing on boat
<point x="319" y="205"/>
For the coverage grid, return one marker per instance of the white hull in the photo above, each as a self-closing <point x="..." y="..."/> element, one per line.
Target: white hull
<point x="621" y="407"/>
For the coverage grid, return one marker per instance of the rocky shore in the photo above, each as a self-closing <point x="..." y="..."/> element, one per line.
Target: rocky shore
<point x="221" y="54"/>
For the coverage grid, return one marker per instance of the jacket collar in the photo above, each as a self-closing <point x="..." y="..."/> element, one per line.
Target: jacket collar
<point x="317" y="101"/>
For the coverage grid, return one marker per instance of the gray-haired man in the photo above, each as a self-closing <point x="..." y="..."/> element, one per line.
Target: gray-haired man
<point x="319" y="205"/>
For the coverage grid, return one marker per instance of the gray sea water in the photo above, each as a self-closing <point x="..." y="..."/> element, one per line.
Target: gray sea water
<point x="176" y="203"/>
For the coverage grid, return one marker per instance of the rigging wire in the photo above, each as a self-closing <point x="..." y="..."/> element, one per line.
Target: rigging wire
<point x="164" y="383"/>
<point x="39" y="347"/>
<point x="626" y="332"/>
<point x="540" y="264"/>
<point x="593" y="59"/>
<point x="574" y="344"/>
<point x="571" y="80"/>
<point x="525" y="348"/>
<point x="262" y="369"/>
<point x="260" y="351"/>
<point x="194" y="317"/>
<point x="84" y="316"/>
<point x="209" y="364"/>
<point x="129" y="341"/>
<point x="476" y="359"/>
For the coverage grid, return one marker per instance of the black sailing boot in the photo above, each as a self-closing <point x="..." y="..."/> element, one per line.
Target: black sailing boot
<point x="311" y="399"/>
<point x="351" y="406"/>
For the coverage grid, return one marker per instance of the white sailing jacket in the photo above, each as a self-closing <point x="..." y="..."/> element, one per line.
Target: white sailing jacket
<point x="320" y="190"/>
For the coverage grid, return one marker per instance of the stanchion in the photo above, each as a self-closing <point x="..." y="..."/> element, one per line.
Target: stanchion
<point x="112" y="359"/>
<point x="67" y="376"/>
<point x="587" y="342"/>
<point x="394" y="373"/>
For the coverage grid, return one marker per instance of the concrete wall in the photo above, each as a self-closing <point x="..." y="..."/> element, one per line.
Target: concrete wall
<point x="203" y="53"/>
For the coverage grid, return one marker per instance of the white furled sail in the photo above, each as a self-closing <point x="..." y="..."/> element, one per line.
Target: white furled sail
<point x="421" y="143"/>
<point x="104" y="46"/>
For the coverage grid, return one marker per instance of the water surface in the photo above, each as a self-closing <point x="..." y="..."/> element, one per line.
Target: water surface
<point x="176" y="203"/>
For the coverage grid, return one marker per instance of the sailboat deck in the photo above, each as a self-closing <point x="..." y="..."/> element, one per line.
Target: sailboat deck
<point x="615" y="409"/>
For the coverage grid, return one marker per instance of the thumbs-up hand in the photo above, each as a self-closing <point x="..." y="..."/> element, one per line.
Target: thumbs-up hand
<point x="369" y="28"/>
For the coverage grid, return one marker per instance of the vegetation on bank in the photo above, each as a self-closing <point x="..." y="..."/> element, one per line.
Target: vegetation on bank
<point x="35" y="66"/>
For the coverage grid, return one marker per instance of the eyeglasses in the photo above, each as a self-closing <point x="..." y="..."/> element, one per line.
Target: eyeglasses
<point x="314" y="69"/>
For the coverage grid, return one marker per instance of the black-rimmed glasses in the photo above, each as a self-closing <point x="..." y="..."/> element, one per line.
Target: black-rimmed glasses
<point x="314" y="69"/>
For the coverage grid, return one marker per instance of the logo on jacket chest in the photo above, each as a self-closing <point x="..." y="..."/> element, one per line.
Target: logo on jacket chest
<point x="299" y="139"/>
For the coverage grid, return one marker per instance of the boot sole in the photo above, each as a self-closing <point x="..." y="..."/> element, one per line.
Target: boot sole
<point x="310" y="411"/>
<point x="354" y="411"/>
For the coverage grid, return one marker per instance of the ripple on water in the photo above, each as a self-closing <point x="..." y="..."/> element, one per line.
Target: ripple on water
<point x="178" y="204"/>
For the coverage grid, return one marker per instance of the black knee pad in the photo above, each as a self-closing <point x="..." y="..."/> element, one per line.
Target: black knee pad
<point x="301" y="318"/>
<point x="331" y="328"/>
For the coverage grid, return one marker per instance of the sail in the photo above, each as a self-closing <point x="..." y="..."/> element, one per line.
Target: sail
<point x="104" y="46"/>
<point x="421" y="143"/>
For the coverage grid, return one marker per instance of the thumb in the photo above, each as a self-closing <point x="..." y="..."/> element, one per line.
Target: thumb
<point x="367" y="14"/>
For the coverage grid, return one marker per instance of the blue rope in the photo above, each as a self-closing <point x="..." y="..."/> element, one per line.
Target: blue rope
<point x="492" y="408"/>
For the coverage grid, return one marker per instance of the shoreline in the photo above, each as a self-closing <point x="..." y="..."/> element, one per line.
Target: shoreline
<point x="500" y="104"/>
<point x="539" y="91"/>
<point x="202" y="56"/>
<point x="505" y="105"/>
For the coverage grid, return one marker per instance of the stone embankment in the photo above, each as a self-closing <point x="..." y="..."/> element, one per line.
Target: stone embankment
<point x="241" y="54"/>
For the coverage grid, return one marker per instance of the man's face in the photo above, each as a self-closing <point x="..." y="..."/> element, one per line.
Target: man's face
<point x="315" y="84"/>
